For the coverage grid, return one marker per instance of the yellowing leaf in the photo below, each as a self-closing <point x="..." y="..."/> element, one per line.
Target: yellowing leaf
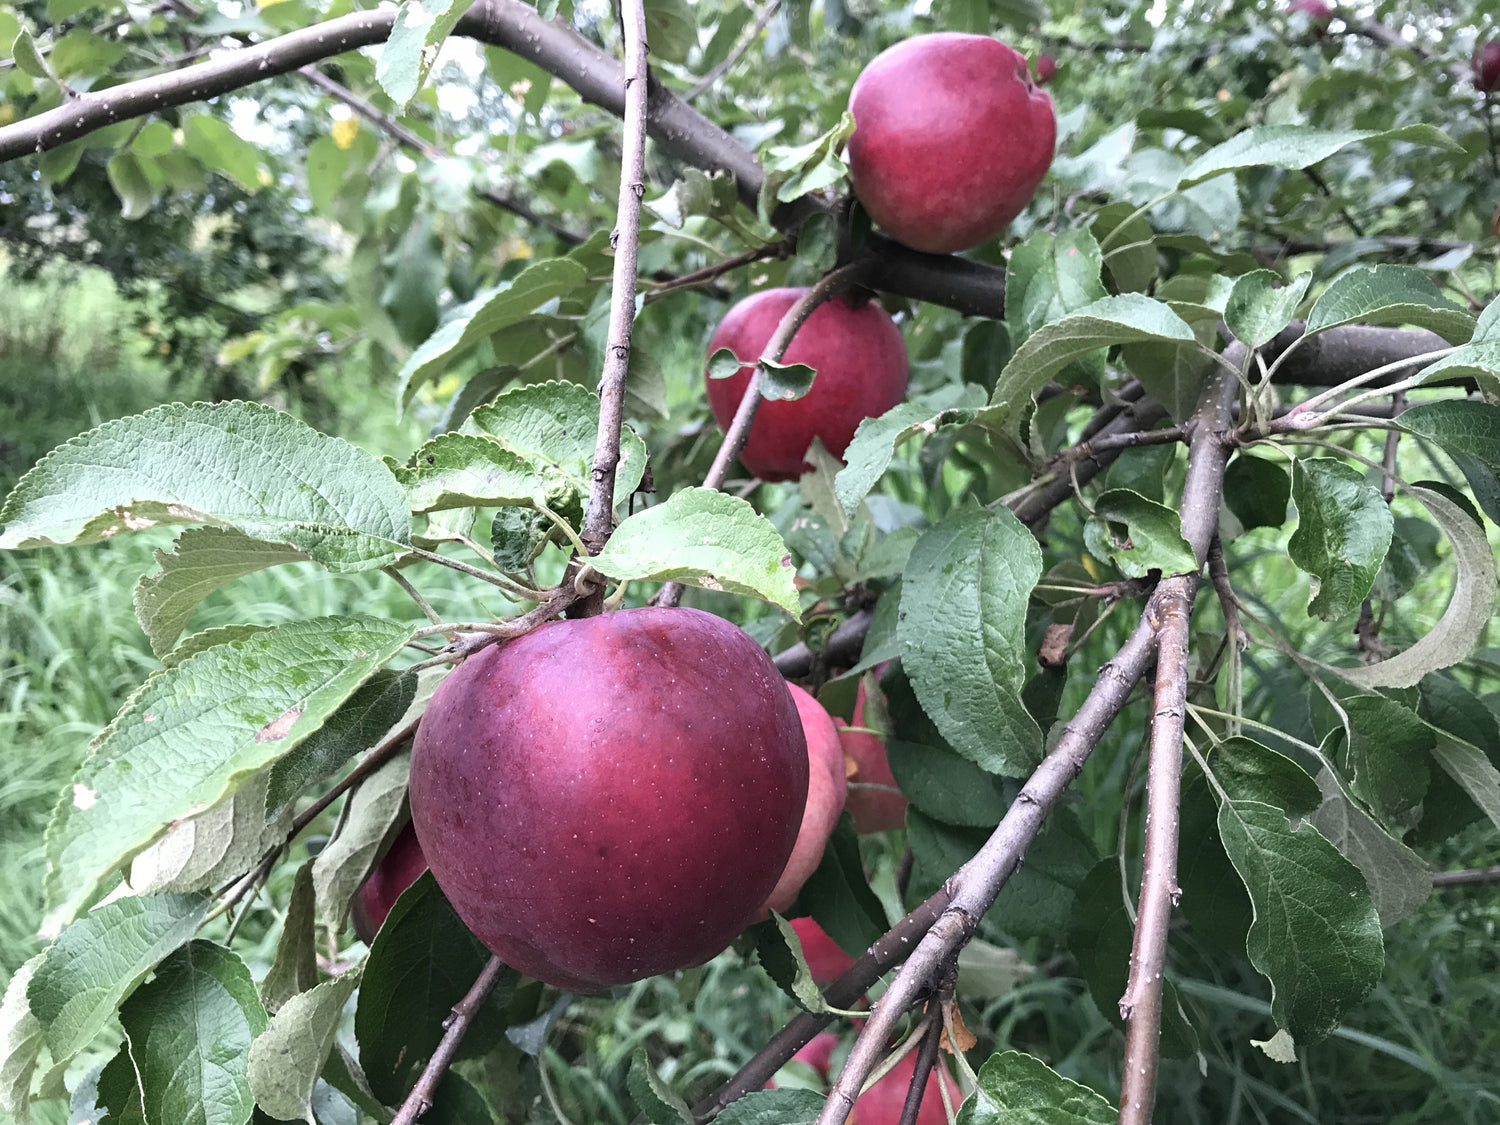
<point x="345" y="129"/>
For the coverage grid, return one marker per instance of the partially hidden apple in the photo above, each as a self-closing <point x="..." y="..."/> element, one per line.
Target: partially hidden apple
<point x="951" y="139"/>
<point x="881" y="1104"/>
<point x="825" y="957"/>
<point x="861" y="365"/>
<point x="398" y="869"/>
<point x="826" y="785"/>
<point x="1486" y="66"/>
<point x="1046" y="69"/>
<point x="611" y="797"/>
<point x="874" y="801"/>
<point x="1319" y="12"/>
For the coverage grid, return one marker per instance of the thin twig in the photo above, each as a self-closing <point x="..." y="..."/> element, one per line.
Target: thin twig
<point x="598" y="520"/>
<point x="1470" y="878"/>
<point x="738" y="431"/>
<point x="419" y="1101"/>
<point x="735" y="55"/>
<point x="416" y="595"/>
<point x="1141" y="1005"/>
<point x="926" y="1056"/>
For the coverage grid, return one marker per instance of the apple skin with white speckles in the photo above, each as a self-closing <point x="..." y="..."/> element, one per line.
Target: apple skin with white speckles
<point x="611" y="797"/>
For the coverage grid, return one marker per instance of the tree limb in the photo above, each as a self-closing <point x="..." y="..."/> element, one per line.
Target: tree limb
<point x="419" y="1101"/>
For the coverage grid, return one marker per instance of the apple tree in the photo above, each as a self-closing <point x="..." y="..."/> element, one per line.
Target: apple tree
<point x="1147" y="571"/>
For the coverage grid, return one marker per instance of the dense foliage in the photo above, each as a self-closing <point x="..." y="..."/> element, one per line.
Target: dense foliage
<point x="1195" y="485"/>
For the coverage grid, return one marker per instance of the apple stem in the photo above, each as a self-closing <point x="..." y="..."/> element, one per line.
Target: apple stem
<point x="419" y="1101"/>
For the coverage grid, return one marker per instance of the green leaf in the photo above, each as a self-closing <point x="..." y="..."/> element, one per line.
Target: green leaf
<point x="784" y="382"/>
<point x="1049" y="276"/>
<point x="190" y="734"/>
<point x="1398" y="878"/>
<point x="237" y="465"/>
<point x="376" y="709"/>
<point x="1173" y="372"/>
<point x="1112" y="320"/>
<point x="556" y="424"/>
<point x="1131" y="258"/>
<point x="202" y="560"/>
<point x="1261" y="304"/>
<point x="962" y="632"/>
<point x="1316" y="935"/>
<point x="875" y="443"/>
<point x="469" y="470"/>
<point x="779" y="951"/>
<point x="1388" y="747"/>
<point x="208" y="638"/>
<point x="1478" y="360"/>
<point x="1297" y="146"/>
<point x="220" y="148"/>
<point x="838" y="896"/>
<point x="1138" y="535"/>
<point x="1389" y="295"/>
<point x="658" y="1102"/>
<point x="671" y="29"/>
<point x="1018" y="1089"/>
<point x="287" y="1057"/>
<point x="773" y="1107"/>
<point x="21" y="1038"/>
<point x="423" y="961"/>
<point x="1463" y="624"/>
<point x="703" y="538"/>
<point x="416" y="37"/>
<point x="220" y="843"/>
<point x="1249" y="771"/>
<point x="100" y="959"/>
<point x="484" y="314"/>
<point x="28" y="59"/>
<point x="1474" y="773"/>
<point x="1461" y="429"/>
<point x="1343" y="530"/>
<point x="1257" y="491"/>
<point x="294" y="969"/>
<point x="377" y="812"/>
<point x="189" y="1032"/>
<point x="128" y="178"/>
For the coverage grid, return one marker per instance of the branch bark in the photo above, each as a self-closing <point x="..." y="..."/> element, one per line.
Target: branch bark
<point x="419" y="1101"/>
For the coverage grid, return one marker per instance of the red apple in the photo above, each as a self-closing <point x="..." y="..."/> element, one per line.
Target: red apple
<point x="881" y="1104"/>
<point x="816" y="1053"/>
<point x="1486" y="66"/>
<point x="1318" y="12"/>
<point x="825" y="957"/>
<point x="951" y="139"/>
<point x="1046" y="69"/>
<point x="610" y="797"/>
<point x="859" y="356"/>
<point x="874" y="801"/>
<point x="826" y="786"/>
<point x="398" y="869"/>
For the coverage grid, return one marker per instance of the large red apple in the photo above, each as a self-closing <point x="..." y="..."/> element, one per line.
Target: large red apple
<point x="825" y="957"/>
<point x="859" y="356"/>
<point x="826" y="786"/>
<point x="951" y="139"/>
<point x="610" y="797"/>
<point x="398" y="869"/>
<point x="881" y="1104"/>
<point x="1486" y="66"/>
<point x="874" y="801"/>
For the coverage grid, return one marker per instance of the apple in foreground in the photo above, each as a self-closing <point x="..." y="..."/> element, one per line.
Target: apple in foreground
<point x="1486" y="66"/>
<point x="398" y="869"/>
<point x="881" y="1104"/>
<point x="611" y="797"/>
<point x="951" y="139"/>
<point x="859" y="356"/>
<point x="826" y="786"/>
<point x="874" y="801"/>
